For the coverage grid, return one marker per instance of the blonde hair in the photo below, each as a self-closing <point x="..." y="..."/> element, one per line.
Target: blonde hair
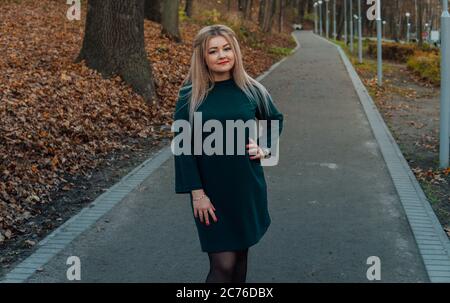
<point x="200" y="80"/>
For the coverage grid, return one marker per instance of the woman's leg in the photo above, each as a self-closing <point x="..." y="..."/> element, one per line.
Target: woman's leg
<point x="222" y="266"/>
<point x="228" y="267"/>
<point x="240" y="271"/>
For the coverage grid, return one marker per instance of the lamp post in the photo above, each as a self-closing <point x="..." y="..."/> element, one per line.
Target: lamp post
<point x="327" y="25"/>
<point x="320" y="17"/>
<point x="359" y="33"/>
<point x="351" y="26"/>
<point x="345" y="23"/>
<point x="408" y="25"/>
<point x="334" y="20"/>
<point x="315" y="17"/>
<point x="384" y="29"/>
<point x="445" y="88"/>
<point x="379" y="46"/>
<point x="428" y="32"/>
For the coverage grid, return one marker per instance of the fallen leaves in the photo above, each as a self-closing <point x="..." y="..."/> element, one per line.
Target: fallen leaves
<point x="433" y="176"/>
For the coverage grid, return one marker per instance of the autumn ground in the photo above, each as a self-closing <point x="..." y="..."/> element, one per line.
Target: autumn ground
<point x="66" y="133"/>
<point x="410" y="107"/>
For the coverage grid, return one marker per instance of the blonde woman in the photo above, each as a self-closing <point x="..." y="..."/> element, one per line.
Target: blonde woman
<point x="228" y="193"/>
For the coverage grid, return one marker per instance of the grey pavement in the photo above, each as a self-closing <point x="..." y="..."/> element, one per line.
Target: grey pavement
<point x="332" y="200"/>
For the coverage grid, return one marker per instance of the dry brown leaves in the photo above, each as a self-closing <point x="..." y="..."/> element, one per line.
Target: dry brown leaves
<point x="60" y="119"/>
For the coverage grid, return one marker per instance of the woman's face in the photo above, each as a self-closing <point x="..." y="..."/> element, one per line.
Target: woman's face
<point x="218" y="51"/>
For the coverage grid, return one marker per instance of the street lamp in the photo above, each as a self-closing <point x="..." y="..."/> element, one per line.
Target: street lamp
<point x="428" y="32"/>
<point x="379" y="46"/>
<point x="315" y="17"/>
<point x="320" y="17"/>
<point x="327" y="26"/>
<point x="384" y="28"/>
<point x="445" y="88"/>
<point x="334" y="20"/>
<point x="359" y="33"/>
<point x="351" y="26"/>
<point x="407" y="26"/>
<point x="345" y="23"/>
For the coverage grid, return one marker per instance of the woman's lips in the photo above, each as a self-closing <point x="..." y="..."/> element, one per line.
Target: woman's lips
<point x="221" y="63"/>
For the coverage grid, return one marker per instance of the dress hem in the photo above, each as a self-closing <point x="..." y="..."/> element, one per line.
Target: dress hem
<point x="241" y="247"/>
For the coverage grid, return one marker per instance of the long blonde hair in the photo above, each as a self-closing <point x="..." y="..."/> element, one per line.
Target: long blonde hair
<point x="200" y="80"/>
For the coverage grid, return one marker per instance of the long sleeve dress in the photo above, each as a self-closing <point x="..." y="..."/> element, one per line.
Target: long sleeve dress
<point x="235" y="184"/>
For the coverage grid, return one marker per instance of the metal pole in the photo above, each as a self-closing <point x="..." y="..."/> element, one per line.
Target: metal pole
<point x="359" y="33"/>
<point x="315" y="17"/>
<point x="379" y="47"/>
<point x="407" y="29"/>
<point x="345" y="23"/>
<point x="351" y="26"/>
<point x="327" y="26"/>
<point x="320" y="18"/>
<point x="334" y="20"/>
<point x="429" y="33"/>
<point x="445" y="88"/>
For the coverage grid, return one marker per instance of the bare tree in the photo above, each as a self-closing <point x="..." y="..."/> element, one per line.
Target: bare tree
<point x="169" y="20"/>
<point x="269" y="11"/>
<point x="114" y="43"/>
<point x="188" y="8"/>
<point x="165" y="12"/>
<point x="153" y="10"/>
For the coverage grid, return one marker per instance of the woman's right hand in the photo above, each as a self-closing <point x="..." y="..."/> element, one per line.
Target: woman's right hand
<point x="203" y="208"/>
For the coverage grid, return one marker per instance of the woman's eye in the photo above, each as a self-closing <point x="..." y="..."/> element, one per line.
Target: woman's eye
<point x="227" y="49"/>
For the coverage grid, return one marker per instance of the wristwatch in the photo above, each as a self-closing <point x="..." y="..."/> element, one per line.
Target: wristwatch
<point x="266" y="151"/>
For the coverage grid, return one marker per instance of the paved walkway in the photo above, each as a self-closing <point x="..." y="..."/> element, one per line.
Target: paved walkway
<point x="332" y="200"/>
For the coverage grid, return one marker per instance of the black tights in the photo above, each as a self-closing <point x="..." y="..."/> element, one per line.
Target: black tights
<point x="227" y="266"/>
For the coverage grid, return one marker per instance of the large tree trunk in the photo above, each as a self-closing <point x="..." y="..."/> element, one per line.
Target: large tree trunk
<point x="170" y="20"/>
<point x="153" y="9"/>
<point x="114" y="43"/>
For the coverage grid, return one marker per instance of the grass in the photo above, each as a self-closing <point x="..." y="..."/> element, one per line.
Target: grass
<point x="429" y="192"/>
<point x="280" y="51"/>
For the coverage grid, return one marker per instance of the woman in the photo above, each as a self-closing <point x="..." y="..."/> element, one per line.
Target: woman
<point x="228" y="193"/>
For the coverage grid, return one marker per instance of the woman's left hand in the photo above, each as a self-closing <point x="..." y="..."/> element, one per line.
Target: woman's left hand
<point x="255" y="150"/>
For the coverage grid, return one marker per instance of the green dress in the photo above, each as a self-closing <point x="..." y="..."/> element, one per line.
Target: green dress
<point x="235" y="184"/>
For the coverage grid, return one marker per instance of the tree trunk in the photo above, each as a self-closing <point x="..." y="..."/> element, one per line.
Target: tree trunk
<point x="188" y="8"/>
<point x="262" y="8"/>
<point x="301" y="8"/>
<point x="114" y="43"/>
<point x="248" y="10"/>
<point x="169" y="22"/>
<point x="280" y="16"/>
<point x="420" y="22"/>
<point x="268" y="15"/>
<point x="153" y="10"/>
<point x="241" y="5"/>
